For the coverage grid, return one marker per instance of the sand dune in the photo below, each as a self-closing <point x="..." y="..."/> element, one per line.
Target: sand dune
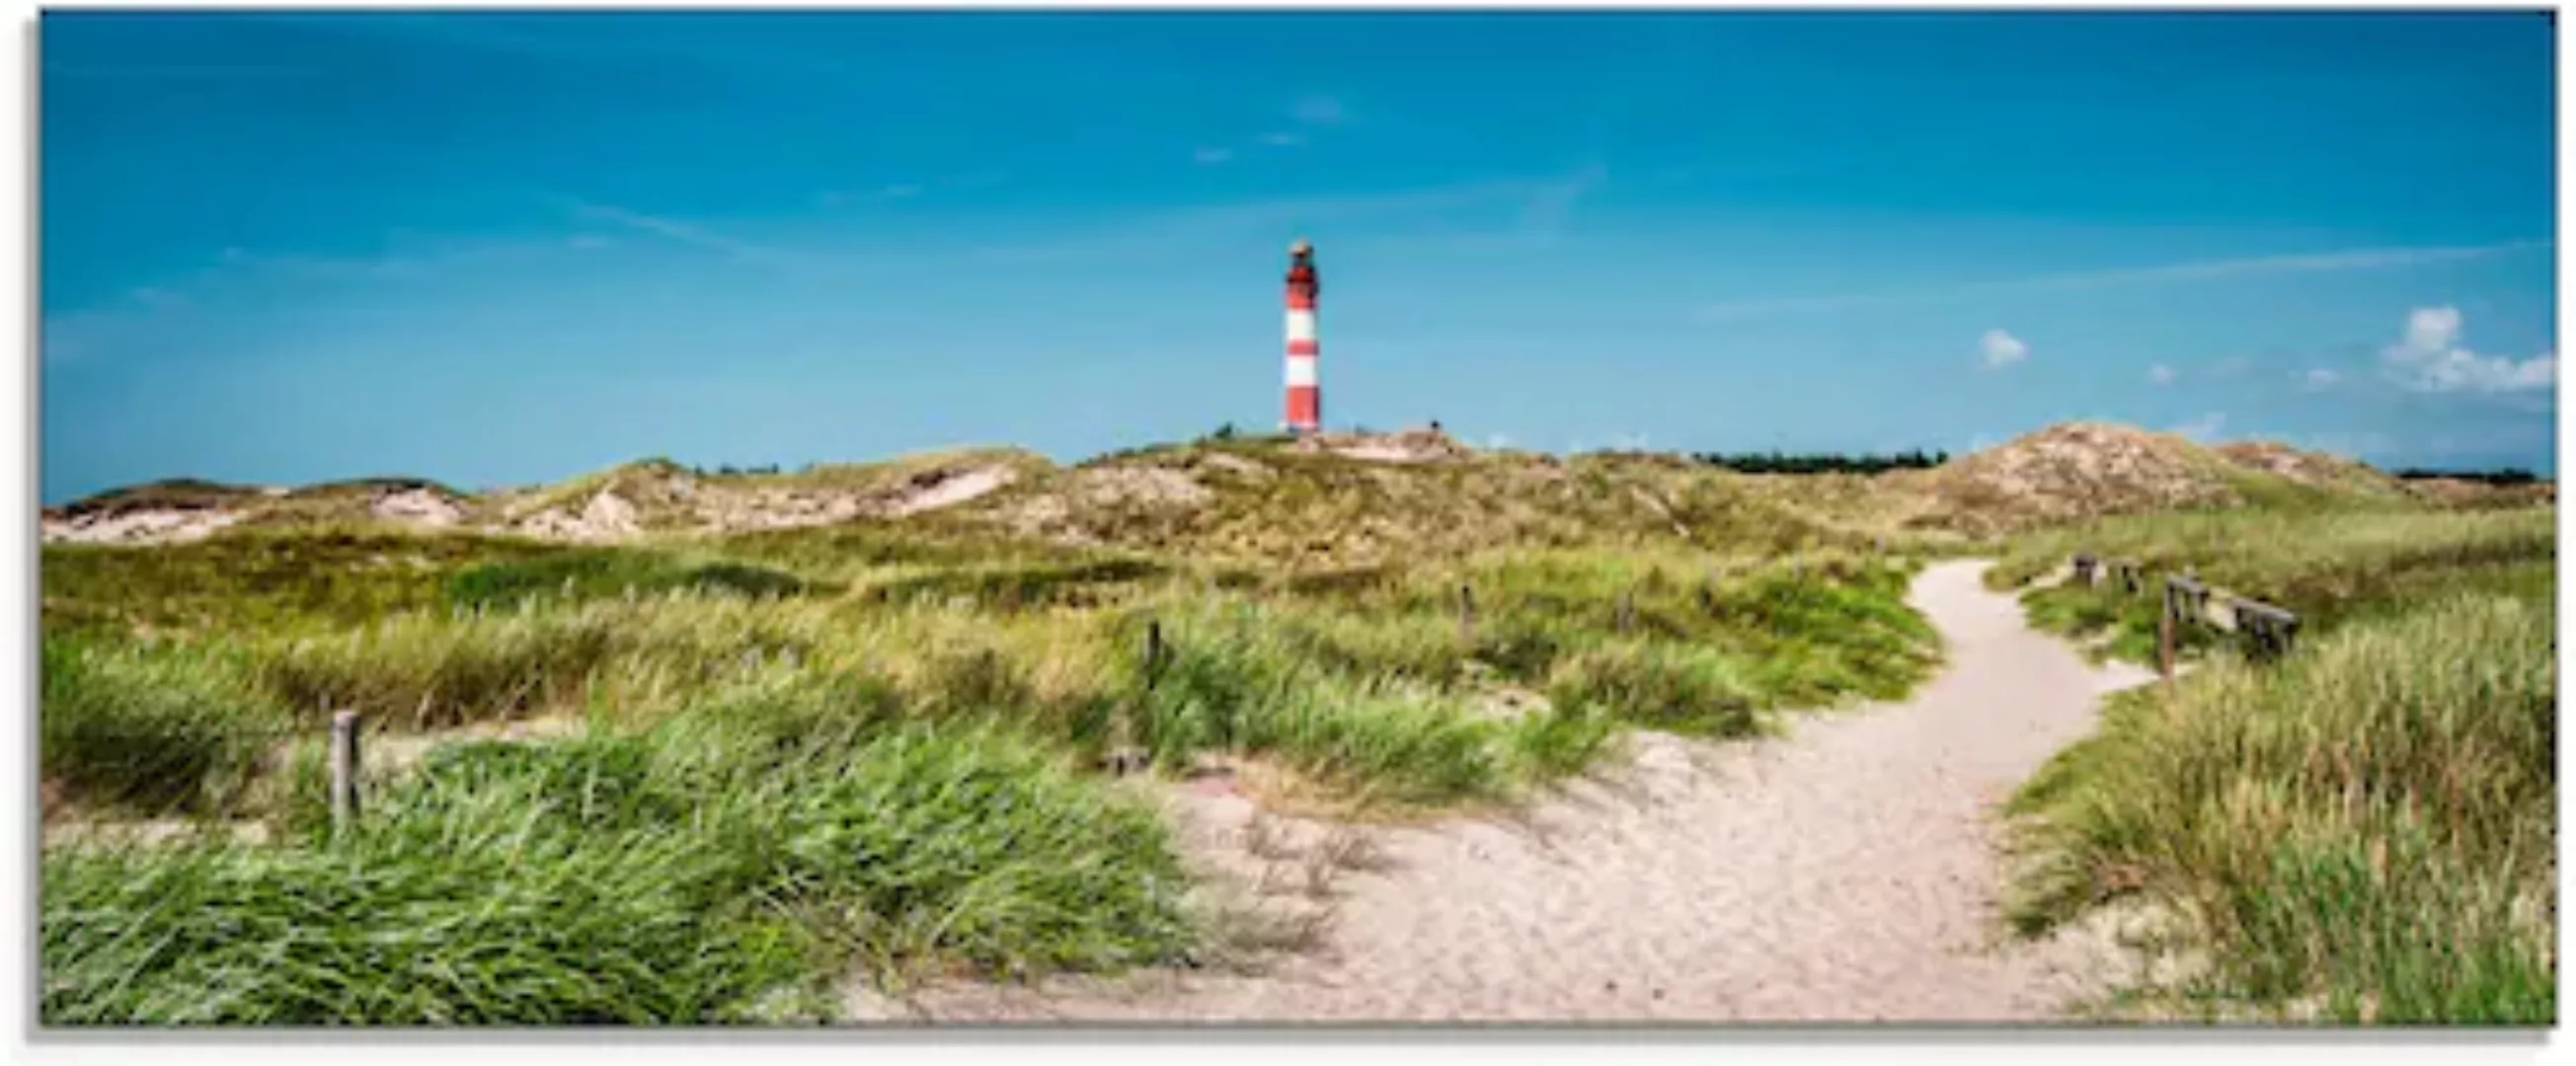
<point x="1845" y="873"/>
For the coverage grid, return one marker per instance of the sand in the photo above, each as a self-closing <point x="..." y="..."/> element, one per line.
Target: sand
<point x="1846" y="872"/>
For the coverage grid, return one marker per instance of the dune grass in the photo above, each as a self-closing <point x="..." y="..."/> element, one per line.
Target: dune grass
<point x="148" y="731"/>
<point x="812" y="750"/>
<point x="2361" y="833"/>
<point x="2329" y="567"/>
<point x="727" y="865"/>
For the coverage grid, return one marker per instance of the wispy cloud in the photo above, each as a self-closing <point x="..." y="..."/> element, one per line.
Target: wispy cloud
<point x="1212" y="156"/>
<point x="1282" y="139"/>
<point x="2430" y="358"/>
<point x="2161" y="374"/>
<point x="880" y="194"/>
<point x="2002" y="349"/>
<point x="1158" y="234"/>
<point x="1544" y="216"/>
<point x="1319" y="111"/>
<point x="676" y="230"/>
<point x="2353" y="259"/>
<point x="2319" y="379"/>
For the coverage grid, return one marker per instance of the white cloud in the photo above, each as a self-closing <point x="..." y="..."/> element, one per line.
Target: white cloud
<point x="2320" y="378"/>
<point x="1498" y="441"/>
<point x="2003" y="349"/>
<point x="2430" y="358"/>
<point x="2204" y="428"/>
<point x="2161" y="374"/>
<point x="1283" y="139"/>
<point x="1212" y="156"/>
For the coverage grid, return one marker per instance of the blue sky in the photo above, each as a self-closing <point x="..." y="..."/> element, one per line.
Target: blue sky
<point x="499" y="249"/>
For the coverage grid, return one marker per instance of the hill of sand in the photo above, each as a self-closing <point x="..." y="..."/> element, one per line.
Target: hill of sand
<point x="2316" y="470"/>
<point x="2072" y="472"/>
<point x="1332" y="500"/>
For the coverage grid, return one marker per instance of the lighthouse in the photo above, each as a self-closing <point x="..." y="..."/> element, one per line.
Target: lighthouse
<point x="1305" y="396"/>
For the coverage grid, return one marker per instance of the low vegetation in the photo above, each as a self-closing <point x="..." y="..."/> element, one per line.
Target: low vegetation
<point x="2328" y="566"/>
<point x="789" y="755"/>
<point x="725" y="865"/>
<point x="1776" y="462"/>
<point x="2363" y="831"/>
<point x="855" y="721"/>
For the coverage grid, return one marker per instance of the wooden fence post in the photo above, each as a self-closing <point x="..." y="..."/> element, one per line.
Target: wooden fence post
<point x="344" y="772"/>
<point x="1153" y="652"/>
<point x="1467" y="615"/>
<point x="1627" y="610"/>
<point x="2165" y="635"/>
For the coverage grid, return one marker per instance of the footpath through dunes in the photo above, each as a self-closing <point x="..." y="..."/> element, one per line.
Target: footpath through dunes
<point x="1846" y="872"/>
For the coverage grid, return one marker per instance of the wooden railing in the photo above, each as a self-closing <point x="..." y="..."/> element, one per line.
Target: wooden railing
<point x="2270" y="630"/>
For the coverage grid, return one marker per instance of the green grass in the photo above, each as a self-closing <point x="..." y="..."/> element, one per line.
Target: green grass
<point x="729" y="865"/>
<point x="590" y="573"/>
<point x="2360" y="832"/>
<point x="150" y="731"/>
<point x="866" y="746"/>
<point x="244" y="580"/>
<point x="2365" y="829"/>
<point x="2330" y="568"/>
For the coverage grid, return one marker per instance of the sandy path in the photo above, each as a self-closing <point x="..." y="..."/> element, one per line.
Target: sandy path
<point x="1846" y="872"/>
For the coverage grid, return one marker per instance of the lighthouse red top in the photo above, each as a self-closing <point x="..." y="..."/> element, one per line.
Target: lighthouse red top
<point x="1302" y="281"/>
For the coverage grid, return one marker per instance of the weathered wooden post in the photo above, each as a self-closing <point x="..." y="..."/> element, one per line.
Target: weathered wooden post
<point x="1124" y="757"/>
<point x="1627" y="610"/>
<point x="2269" y="627"/>
<point x="2165" y="634"/>
<point x="344" y="772"/>
<point x="1467" y="615"/>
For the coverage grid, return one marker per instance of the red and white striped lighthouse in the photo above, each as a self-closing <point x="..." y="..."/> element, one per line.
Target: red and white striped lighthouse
<point x="1305" y="395"/>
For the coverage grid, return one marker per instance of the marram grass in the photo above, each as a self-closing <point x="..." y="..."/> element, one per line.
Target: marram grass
<point x="735" y="863"/>
<point x="2363" y="832"/>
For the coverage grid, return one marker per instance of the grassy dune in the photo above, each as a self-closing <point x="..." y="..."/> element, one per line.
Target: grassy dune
<point x="803" y="752"/>
<point x="2362" y="832"/>
<point x="876" y="746"/>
